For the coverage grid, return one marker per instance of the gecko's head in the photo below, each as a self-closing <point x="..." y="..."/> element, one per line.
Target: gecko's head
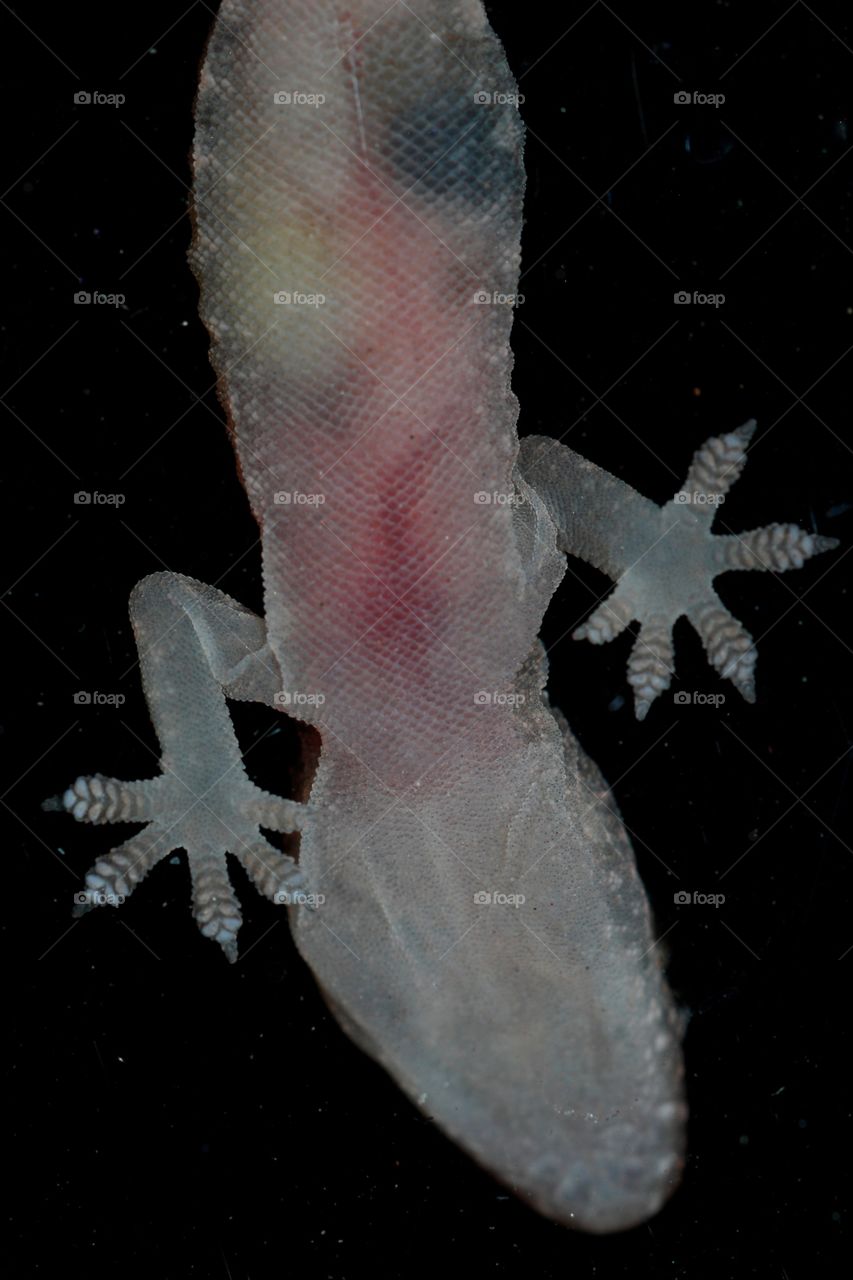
<point x="619" y="1178"/>
<point x="606" y="1161"/>
<point x="580" y="1115"/>
<point x="490" y="945"/>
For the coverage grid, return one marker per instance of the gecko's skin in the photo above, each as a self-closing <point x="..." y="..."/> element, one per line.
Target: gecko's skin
<point x="465" y="891"/>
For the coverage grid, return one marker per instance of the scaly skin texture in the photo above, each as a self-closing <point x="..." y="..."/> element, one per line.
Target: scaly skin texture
<point x="664" y="559"/>
<point x="398" y="199"/>
<point x="469" y="900"/>
<point x="401" y="598"/>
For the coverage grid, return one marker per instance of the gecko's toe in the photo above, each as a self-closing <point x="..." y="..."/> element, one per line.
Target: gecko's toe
<point x="274" y="874"/>
<point x="716" y="466"/>
<point x="98" y="799"/>
<point x="215" y="907"/>
<point x="114" y="876"/>
<point x="727" y="643"/>
<point x="229" y="820"/>
<point x="776" y="547"/>
<point x="608" y="621"/>
<point x="650" y="666"/>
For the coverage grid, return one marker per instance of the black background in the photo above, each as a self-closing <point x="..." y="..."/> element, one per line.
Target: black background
<point x="174" y="1116"/>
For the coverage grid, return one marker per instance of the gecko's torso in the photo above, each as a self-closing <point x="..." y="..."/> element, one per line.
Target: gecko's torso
<point x="479" y="925"/>
<point x="470" y="934"/>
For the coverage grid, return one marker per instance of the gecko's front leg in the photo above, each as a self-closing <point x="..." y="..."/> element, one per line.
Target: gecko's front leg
<point x="663" y="559"/>
<point x="196" y="646"/>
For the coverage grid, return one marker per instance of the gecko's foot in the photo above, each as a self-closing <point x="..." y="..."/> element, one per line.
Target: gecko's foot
<point x="674" y="575"/>
<point x="208" y="823"/>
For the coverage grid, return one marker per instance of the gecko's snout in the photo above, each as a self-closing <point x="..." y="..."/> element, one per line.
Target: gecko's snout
<point x="604" y="1192"/>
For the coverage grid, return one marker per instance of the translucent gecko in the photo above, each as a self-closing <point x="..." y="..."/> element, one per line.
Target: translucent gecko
<point x="464" y="892"/>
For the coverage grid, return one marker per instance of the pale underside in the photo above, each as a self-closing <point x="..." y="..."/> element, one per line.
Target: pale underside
<point x="482" y="932"/>
<point x="540" y="1034"/>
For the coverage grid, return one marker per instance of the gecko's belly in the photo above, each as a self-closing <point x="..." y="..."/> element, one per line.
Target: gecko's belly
<point x="358" y="215"/>
<point x="490" y="944"/>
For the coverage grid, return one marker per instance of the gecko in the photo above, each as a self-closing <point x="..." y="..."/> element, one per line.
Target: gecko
<point x="462" y="886"/>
